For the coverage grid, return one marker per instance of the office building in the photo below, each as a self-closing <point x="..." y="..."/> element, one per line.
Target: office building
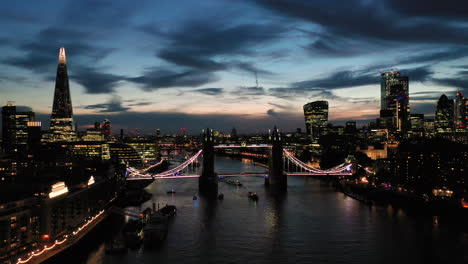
<point x="316" y="119"/>
<point x="444" y="117"/>
<point x="15" y="130"/>
<point x="394" y="102"/>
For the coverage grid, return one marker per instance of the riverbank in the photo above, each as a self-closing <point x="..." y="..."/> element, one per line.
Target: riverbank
<point x="374" y="195"/>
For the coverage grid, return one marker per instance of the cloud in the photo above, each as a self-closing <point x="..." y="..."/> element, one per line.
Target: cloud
<point x="280" y="106"/>
<point x="431" y="8"/>
<point x="248" y="91"/>
<point x="249" y="67"/>
<point x="40" y="56"/>
<point x="369" y="21"/>
<point x="95" y="81"/>
<point x="271" y="112"/>
<point x="114" y="105"/>
<point x="204" y="46"/>
<point x="435" y="55"/>
<point x="140" y="103"/>
<point x="210" y="91"/>
<point x="160" y="78"/>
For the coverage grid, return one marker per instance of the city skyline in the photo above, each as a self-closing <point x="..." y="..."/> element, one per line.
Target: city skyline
<point x="170" y="70"/>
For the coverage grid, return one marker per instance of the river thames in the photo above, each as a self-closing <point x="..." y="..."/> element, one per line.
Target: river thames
<point x="311" y="223"/>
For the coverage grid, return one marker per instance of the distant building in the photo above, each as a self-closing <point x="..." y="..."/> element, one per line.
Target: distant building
<point x="444" y="117"/>
<point x="350" y="128"/>
<point x="15" y="130"/>
<point x="34" y="137"/>
<point x="394" y="108"/>
<point x="417" y="124"/>
<point x="316" y="119"/>
<point x="234" y="132"/>
<point x="460" y="110"/>
<point x="429" y="128"/>
<point x="61" y="120"/>
<point x="107" y="129"/>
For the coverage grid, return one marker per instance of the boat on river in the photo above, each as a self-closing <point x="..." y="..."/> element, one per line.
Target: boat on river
<point x="155" y="230"/>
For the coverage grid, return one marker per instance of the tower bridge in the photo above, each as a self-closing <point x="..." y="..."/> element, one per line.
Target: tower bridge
<point x="282" y="163"/>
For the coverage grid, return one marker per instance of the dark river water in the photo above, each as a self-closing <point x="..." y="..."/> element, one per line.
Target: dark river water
<point x="311" y="223"/>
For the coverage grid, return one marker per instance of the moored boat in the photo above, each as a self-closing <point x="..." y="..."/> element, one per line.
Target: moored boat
<point x="155" y="230"/>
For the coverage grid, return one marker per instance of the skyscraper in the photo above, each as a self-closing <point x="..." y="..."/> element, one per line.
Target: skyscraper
<point x="444" y="116"/>
<point x="460" y="117"/>
<point x="417" y="124"/>
<point x="316" y="119"/>
<point x="394" y="101"/>
<point x="61" y="120"/>
<point x="15" y="130"/>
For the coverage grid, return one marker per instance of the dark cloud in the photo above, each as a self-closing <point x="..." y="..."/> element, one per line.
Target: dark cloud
<point x="160" y="78"/>
<point x="332" y="45"/>
<point x="271" y="112"/>
<point x="139" y="103"/>
<point x="343" y="79"/>
<point x="426" y="96"/>
<point x="210" y="91"/>
<point x="436" y="55"/>
<point x="200" y="63"/>
<point x="41" y="54"/>
<point x="458" y="83"/>
<point x="327" y="95"/>
<point x="280" y="106"/>
<point x="41" y="57"/>
<point x="369" y="21"/>
<point x="451" y="9"/>
<point x="95" y="81"/>
<point x="249" y="67"/>
<point x="113" y="106"/>
<point x="103" y="14"/>
<point x="203" y="46"/>
<point x="249" y="91"/>
<point x="348" y="79"/>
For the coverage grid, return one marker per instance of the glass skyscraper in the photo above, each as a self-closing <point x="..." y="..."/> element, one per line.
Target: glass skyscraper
<point x="61" y="121"/>
<point x="316" y="119"/>
<point x="444" y="116"/>
<point x="394" y="101"/>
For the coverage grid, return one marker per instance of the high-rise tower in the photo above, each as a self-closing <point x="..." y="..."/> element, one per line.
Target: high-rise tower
<point x="394" y="108"/>
<point x="61" y="120"/>
<point x="444" y="116"/>
<point x="316" y="119"/>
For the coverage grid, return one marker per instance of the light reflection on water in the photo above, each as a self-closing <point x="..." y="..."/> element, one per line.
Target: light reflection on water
<point x="311" y="223"/>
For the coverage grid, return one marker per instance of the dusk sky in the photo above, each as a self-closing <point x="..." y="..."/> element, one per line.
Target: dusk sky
<point x="172" y="64"/>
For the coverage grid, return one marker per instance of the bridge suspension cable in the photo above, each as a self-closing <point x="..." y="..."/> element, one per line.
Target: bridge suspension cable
<point x="134" y="173"/>
<point x="337" y="169"/>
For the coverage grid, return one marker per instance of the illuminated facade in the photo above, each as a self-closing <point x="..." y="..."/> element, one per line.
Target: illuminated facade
<point x="61" y="120"/>
<point x="15" y="130"/>
<point x="316" y="119"/>
<point x="417" y="124"/>
<point x="460" y="111"/>
<point x="429" y="128"/>
<point x="107" y="129"/>
<point x="147" y="150"/>
<point x="394" y="101"/>
<point x="444" y="117"/>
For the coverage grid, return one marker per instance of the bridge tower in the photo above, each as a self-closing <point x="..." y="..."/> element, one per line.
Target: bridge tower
<point x="208" y="181"/>
<point x="276" y="177"/>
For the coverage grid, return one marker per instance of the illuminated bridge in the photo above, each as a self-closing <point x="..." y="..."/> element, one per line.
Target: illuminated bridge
<point x="282" y="163"/>
<point x="291" y="165"/>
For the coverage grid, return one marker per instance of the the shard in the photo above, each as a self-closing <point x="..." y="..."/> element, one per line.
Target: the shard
<point x="61" y="120"/>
